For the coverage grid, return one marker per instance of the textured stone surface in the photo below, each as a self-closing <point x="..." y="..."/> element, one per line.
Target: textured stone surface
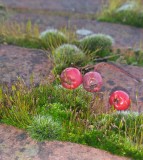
<point x="21" y="62"/>
<point x="123" y="77"/>
<point x="89" y="6"/>
<point x="15" y="144"/>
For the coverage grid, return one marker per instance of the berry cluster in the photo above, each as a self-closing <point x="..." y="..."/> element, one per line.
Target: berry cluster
<point x="92" y="81"/>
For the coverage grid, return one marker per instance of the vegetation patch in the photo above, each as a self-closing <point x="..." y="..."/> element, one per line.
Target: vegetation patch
<point x="125" y="12"/>
<point x="68" y="55"/>
<point x="49" y="112"/>
<point x="90" y="49"/>
<point x="130" y="57"/>
<point x="53" y="38"/>
<point x="97" y="45"/>
<point x="28" y="35"/>
<point x="52" y="112"/>
<point x="44" y="127"/>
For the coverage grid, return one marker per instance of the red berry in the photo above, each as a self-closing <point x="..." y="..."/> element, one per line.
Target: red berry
<point x="92" y="81"/>
<point x="71" y="78"/>
<point x="120" y="100"/>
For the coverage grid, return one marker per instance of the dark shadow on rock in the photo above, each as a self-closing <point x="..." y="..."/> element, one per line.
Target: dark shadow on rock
<point x="119" y="88"/>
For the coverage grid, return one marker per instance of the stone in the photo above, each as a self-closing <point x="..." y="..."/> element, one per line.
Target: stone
<point x="84" y="32"/>
<point x="28" y="149"/>
<point x="25" y="63"/>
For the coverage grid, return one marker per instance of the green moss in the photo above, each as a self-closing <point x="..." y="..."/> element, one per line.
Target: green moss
<point x="44" y="128"/>
<point x="113" y="143"/>
<point x="97" y="45"/>
<point x="53" y="38"/>
<point x="67" y="55"/>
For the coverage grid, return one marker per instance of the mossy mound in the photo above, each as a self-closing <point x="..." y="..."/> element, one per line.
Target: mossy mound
<point x="97" y="45"/>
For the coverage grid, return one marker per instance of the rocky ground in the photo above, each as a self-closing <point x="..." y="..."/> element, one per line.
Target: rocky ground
<point x="74" y="15"/>
<point x="24" y="63"/>
<point x="15" y="144"/>
<point x="16" y="61"/>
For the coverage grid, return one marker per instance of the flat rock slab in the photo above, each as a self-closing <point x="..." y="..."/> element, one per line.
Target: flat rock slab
<point x="15" y="144"/>
<point x="88" y="6"/>
<point x="24" y="63"/>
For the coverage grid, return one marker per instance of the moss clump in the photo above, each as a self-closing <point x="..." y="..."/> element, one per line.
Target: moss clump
<point x="67" y="55"/>
<point x="43" y="128"/>
<point x="97" y="45"/>
<point x="53" y="38"/>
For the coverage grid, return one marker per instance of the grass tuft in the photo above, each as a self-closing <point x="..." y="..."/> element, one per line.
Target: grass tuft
<point x="68" y="55"/>
<point x="53" y="38"/>
<point x="97" y="45"/>
<point x="44" y="128"/>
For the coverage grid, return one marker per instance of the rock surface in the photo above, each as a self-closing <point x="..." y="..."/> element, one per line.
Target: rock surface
<point x="24" y="63"/>
<point x="123" y="77"/>
<point x="15" y="144"/>
<point x="89" y="6"/>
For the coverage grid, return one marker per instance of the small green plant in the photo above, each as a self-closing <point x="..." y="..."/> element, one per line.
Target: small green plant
<point x="53" y="38"/>
<point x="44" y="128"/>
<point x="97" y="45"/>
<point x="58" y="111"/>
<point x="67" y="55"/>
<point x="16" y="108"/>
<point x="134" y="57"/>
<point x="131" y="57"/>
